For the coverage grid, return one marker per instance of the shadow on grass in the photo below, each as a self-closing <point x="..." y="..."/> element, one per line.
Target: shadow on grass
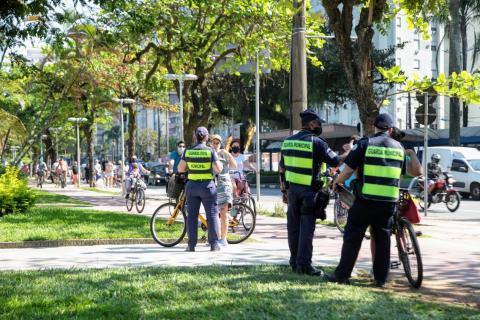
<point x="258" y="292"/>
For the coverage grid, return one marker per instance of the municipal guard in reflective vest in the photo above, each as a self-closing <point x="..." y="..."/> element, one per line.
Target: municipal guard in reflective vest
<point x="200" y="161"/>
<point x="379" y="161"/>
<point x="302" y="157"/>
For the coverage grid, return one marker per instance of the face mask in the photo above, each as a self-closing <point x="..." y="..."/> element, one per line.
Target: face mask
<point x="180" y="150"/>
<point x="235" y="149"/>
<point x="317" y="131"/>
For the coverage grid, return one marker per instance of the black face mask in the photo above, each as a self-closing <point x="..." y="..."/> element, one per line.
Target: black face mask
<point x="235" y="149"/>
<point x="317" y="131"/>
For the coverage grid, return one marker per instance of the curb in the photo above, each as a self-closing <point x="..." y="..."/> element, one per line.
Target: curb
<point x="69" y="243"/>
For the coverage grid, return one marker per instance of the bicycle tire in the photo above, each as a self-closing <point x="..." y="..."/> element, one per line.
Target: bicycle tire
<point x="140" y="200"/>
<point x="453" y="208"/>
<point x="129" y="201"/>
<point x="407" y="245"/>
<point x="239" y="225"/>
<point x="340" y="214"/>
<point x="155" y="227"/>
<point x="252" y="204"/>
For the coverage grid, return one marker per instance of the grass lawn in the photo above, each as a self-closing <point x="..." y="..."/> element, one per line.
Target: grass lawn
<point x="45" y="197"/>
<point x="66" y="223"/>
<point x="258" y="292"/>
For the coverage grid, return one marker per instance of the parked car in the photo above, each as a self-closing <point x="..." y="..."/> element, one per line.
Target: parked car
<point x="158" y="175"/>
<point x="464" y="165"/>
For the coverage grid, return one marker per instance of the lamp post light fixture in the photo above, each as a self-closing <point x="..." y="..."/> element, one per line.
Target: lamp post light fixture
<point x="122" y="135"/>
<point x="77" y="121"/>
<point x="181" y="78"/>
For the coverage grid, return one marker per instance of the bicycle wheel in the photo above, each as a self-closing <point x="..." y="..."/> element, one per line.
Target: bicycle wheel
<point x="130" y="200"/>
<point x="252" y="204"/>
<point x="421" y="201"/>
<point x="409" y="252"/>
<point x="167" y="225"/>
<point x="242" y="223"/>
<point x="340" y="214"/>
<point x="140" y="200"/>
<point x="452" y="201"/>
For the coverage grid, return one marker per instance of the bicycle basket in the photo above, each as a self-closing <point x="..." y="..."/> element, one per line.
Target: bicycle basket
<point x="341" y="208"/>
<point x="174" y="188"/>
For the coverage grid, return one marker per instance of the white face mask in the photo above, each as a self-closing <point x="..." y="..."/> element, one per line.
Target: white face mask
<point x="180" y="150"/>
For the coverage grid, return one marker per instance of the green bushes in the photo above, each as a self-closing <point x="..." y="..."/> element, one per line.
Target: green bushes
<point x="15" y="196"/>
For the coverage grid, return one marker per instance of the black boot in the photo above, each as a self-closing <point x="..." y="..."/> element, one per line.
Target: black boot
<point x="308" y="270"/>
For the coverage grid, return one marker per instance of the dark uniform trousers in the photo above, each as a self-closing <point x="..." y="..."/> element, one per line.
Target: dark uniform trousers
<point x="300" y="224"/>
<point x="379" y="215"/>
<point x="202" y="192"/>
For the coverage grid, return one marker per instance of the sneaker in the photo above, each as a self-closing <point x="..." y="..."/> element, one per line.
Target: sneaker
<point x="223" y="242"/>
<point x="215" y="247"/>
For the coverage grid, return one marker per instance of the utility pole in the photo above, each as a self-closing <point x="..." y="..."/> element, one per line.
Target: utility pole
<point x="454" y="65"/>
<point x="298" y="67"/>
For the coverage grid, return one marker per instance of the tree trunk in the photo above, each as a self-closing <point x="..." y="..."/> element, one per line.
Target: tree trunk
<point x="454" y="66"/>
<point x="357" y="61"/>
<point x="199" y="111"/>
<point x="4" y="147"/>
<point x="132" y="130"/>
<point x="89" y="131"/>
<point x="463" y="31"/>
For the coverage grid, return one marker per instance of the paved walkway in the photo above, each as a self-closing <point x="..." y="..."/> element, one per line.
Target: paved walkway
<point x="450" y="251"/>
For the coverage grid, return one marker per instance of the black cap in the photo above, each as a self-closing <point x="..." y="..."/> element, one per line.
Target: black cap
<point x="383" y="121"/>
<point x="310" y="115"/>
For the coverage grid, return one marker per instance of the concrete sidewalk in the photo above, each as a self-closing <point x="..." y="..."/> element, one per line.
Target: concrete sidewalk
<point x="451" y="254"/>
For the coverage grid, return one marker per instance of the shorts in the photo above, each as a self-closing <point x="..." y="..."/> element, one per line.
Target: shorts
<point x="108" y="174"/>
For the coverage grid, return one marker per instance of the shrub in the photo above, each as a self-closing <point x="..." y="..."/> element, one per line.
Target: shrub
<point x="15" y="195"/>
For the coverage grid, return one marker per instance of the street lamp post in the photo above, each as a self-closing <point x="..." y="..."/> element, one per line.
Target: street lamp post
<point x="77" y="121"/>
<point x="41" y="145"/>
<point x="181" y="79"/>
<point x="122" y="136"/>
<point x="14" y="149"/>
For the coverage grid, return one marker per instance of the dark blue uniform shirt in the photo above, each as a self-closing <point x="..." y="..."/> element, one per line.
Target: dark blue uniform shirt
<point x="321" y="151"/>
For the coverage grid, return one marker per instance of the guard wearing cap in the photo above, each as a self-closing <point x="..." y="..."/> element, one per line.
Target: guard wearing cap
<point x="200" y="161"/>
<point x="302" y="156"/>
<point x="379" y="161"/>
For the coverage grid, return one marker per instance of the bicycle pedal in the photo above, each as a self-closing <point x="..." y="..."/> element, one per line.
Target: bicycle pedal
<point x="395" y="264"/>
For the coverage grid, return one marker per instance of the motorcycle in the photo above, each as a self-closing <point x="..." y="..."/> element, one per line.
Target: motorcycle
<point x="443" y="192"/>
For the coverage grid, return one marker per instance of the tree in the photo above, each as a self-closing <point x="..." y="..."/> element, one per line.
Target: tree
<point x="147" y="140"/>
<point x="358" y="64"/>
<point x="454" y="65"/>
<point x="196" y="36"/>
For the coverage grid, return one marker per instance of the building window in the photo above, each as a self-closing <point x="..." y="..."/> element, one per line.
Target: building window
<point x="399" y="40"/>
<point x="399" y="61"/>
<point x="416" y="64"/>
<point x="416" y="44"/>
<point x="399" y="22"/>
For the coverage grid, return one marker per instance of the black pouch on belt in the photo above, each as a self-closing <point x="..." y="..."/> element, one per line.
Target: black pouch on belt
<point x="321" y="201"/>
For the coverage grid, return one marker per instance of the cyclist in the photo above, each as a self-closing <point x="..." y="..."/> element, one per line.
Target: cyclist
<point x="201" y="161"/>
<point x="41" y="170"/>
<point x="63" y="169"/>
<point x="135" y="172"/>
<point x="175" y="157"/>
<point x="434" y="171"/>
<point x="242" y="164"/>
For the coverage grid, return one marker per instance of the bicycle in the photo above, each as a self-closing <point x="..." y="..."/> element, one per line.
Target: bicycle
<point x="245" y="196"/>
<point x="168" y="223"/>
<point x="407" y="244"/>
<point x="136" y="195"/>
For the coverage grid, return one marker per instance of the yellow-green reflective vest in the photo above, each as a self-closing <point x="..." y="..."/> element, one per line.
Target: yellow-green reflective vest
<point x="298" y="161"/>
<point x="382" y="169"/>
<point x="199" y="164"/>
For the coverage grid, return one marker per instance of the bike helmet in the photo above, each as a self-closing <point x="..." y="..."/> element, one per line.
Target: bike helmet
<point x="436" y="158"/>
